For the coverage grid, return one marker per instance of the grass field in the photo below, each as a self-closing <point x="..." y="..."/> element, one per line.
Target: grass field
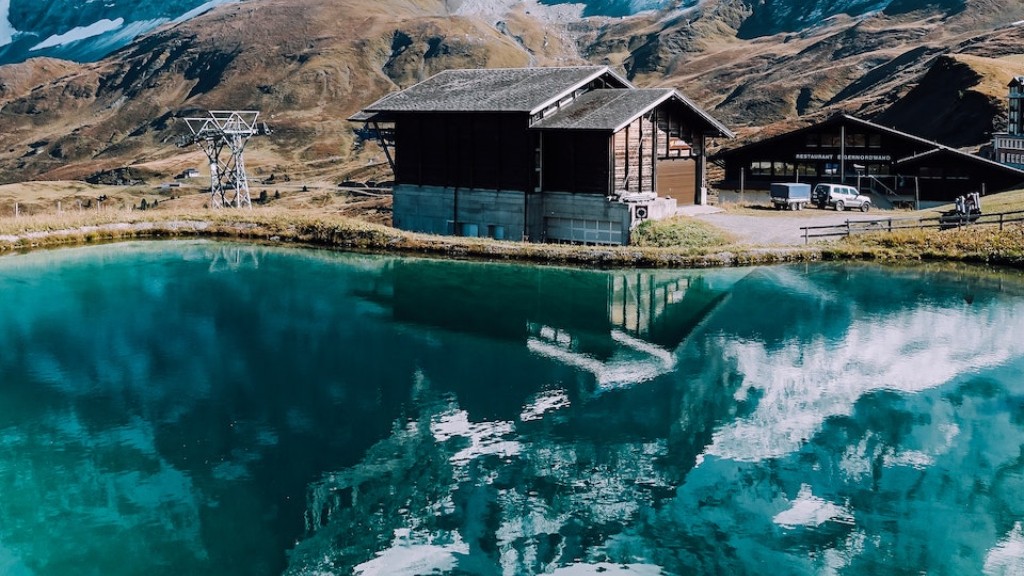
<point x="346" y="220"/>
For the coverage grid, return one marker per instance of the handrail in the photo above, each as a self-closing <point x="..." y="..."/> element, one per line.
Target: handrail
<point x="888" y="191"/>
<point x="851" y="227"/>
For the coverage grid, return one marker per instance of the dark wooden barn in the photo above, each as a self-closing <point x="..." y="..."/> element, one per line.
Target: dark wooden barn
<point x="891" y="164"/>
<point x="545" y="154"/>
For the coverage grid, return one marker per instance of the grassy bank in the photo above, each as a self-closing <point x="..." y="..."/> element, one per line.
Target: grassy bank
<point x="987" y="245"/>
<point x="314" y="229"/>
<point x="677" y="243"/>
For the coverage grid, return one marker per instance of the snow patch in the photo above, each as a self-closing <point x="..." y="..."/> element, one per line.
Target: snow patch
<point x="405" y="557"/>
<point x="202" y="9"/>
<point x="7" y="30"/>
<point x="485" y="438"/>
<point x="80" y="33"/>
<point x="606" y="569"/>
<point x="543" y="403"/>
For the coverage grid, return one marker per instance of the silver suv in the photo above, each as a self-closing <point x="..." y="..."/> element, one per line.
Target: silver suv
<point x="840" y="197"/>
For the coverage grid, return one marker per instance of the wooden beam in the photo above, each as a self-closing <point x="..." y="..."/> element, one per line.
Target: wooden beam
<point x="383" y="144"/>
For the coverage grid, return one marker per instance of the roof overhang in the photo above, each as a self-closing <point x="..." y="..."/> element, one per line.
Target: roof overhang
<point x="622" y="119"/>
<point x="565" y="93"/>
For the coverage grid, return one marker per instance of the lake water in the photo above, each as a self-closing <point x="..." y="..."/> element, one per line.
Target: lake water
<point x="213" y="408"/>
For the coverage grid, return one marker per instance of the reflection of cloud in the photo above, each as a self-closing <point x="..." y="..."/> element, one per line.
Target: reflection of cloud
<point x="810" y="511"/>
<point x="1007" y="558"/>
<point x="801" y="385"/>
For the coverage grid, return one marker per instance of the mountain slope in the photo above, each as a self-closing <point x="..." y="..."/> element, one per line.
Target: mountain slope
<point x="308" y="65"/>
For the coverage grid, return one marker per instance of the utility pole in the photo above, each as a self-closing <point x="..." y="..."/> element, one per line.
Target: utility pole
<point x="230" y="129"/>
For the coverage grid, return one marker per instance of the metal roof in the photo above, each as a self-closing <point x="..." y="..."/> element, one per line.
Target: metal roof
<point x="613" y="110"/>
<point x="529" y="90"/>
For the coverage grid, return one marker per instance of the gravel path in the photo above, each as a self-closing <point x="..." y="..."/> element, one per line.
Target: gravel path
<point x="782" y="227"/>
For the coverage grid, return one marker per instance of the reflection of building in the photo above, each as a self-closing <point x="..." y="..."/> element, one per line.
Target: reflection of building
<point x="545" y="154"/>
<point x="512" y="302"/>
<point x="890" y="163"/>
<point x="1008" y="147"/>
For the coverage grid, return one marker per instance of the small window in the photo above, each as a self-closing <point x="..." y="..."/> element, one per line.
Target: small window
<point x="760" y="168"/>
<point x="874" y="141"/>
<point x="807" y="169"/>
<point x="813" y="140"/>
<point x="783" y="168"/>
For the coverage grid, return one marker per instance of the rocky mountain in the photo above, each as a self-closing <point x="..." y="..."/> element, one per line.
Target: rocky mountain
<point x="759" y="65"/>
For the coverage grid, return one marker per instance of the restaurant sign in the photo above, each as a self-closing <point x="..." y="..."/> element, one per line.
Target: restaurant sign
<point x="853" y="157"/>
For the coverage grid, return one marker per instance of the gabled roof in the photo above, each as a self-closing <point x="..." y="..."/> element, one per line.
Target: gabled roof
<point x="529" y="90"/>
<point x="613" y="110"/>
<point x="931" y="148"/>
<point x="832" y="120"/>
<point x="1017" y="81"/>
<point x="911" y="160"/>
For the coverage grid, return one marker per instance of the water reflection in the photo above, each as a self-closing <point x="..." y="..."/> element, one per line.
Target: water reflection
<point x="211" y="408"/>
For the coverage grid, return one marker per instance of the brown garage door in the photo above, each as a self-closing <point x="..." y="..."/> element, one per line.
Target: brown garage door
<point x="677" y="178"/>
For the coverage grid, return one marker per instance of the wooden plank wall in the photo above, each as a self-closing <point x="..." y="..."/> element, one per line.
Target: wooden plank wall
<point x="634" y="157"/>
<point x="671" y="131"/>
<point x="485" y="151"/>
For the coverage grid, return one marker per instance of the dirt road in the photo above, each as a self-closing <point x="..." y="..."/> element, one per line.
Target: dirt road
<point x="772" y="227"/>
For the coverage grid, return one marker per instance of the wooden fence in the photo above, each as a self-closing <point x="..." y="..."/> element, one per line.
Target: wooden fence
<point x="850" y="228"/>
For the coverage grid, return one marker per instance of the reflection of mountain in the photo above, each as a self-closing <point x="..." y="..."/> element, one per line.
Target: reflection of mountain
<point x="865" y="454"/>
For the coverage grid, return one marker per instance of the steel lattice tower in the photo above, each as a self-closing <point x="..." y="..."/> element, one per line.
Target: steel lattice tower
<point x="229" y="129"/>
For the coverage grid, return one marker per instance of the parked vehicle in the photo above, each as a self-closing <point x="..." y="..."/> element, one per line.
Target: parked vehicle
<point x="790" y="195"/>
<point x="839" y="197"/>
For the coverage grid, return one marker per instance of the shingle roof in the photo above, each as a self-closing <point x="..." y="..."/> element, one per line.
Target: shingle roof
<point x="612" y="110"/>
<point x="604" y="110"/>
<point x="492" y="90"/>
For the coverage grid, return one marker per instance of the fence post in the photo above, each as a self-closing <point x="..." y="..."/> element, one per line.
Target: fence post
<point x="17" y="210"/>
<point x="848" y="231"/>
<point x="1000" y="222"/>
<point x="890" y="225"/>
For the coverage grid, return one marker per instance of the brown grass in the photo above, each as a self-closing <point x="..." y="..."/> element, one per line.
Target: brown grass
<point x="302" y="221"/>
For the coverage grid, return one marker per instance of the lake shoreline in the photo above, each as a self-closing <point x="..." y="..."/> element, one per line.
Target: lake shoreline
<point x="1003" y="247"/>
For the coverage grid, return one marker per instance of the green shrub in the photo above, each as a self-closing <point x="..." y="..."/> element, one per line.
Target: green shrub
<point x="679" y="232"/>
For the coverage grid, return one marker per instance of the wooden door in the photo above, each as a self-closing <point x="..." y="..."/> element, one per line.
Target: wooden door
<point x="677" y="178"/>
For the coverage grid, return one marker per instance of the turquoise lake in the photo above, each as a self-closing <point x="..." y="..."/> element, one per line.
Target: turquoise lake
<point x="208" y="408"/>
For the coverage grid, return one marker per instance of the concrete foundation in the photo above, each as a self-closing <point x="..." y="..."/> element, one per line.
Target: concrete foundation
<point x="515" y="215"/>
<point x="585" y="218"/>
<point x="499" y="214"/>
